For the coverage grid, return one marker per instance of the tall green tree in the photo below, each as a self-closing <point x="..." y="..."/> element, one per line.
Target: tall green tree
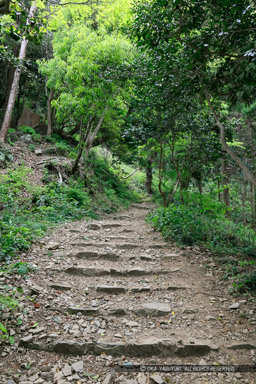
<point x="85" y="75"/>
<point x="202" y="47"/>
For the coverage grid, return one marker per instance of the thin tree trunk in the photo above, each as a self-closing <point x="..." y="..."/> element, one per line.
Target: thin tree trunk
<point x="131" y="174"/>
<point x="10" y="76"/>
<point x="254" y="210"/>
<point x="225" y="182"/>
<point x="160" y="175"/>
<point x="244" y="195"/>
<point x="53" y="115"/>
<point x="219" y="194"/>
<point x="252" y="205"/>
<point x="49" y="113"/>
<point x="91" y="136"/>
<point x="249" y="176"/>
<point x="15" y="83"/>
<point x="149" y="176"/>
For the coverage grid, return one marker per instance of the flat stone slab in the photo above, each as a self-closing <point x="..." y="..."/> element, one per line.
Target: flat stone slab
<point x="94" y="227"/>
<point x="147" y="258"/>
<point x="121" y="217"/>
<point x="170" y="257"/>
<point x="137" y="272"/>
<point x="247" y="346"/>
<point x="90" y="271"/>
<point x="111" y="289"/>
<point x="175" y="288"/>
<point x="157" y="379"/>
<point x="128" y="246"/>
<point x="140" y="289"/>
<point x="61" y="287"/>
<point x="73" y="348"/>
<point x="113" y="225"/>
<point x="83" y="271"/>
<point x="67" y="370"/>
<point x="141" y="207"/>
<point x="93" y="245"/>
<point x="95" y="255"/>
<point x="144" y="347"/>
<point x="118" y="312"/>
<point x="78" y="366"/>
<point x="157" y="246"/>
<point x="84" y="311"/>
<point x="153" y="309"/>
<point x="151" y="346"/>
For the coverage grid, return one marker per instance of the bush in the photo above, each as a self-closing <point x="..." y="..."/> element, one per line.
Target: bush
<point x="246" y="282"/>
<point x="202" y="222"/>
<point x="26" y="211"/>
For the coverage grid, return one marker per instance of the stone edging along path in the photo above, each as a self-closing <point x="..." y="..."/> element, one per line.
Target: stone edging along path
<point x="112" y="292"/>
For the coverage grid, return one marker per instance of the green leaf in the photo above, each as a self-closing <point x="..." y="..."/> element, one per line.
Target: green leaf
<point x="35" y="325"/>
<point x="2" y="328"/>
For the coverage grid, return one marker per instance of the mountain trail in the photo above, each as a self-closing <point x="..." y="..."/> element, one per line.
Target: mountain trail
<point x="111" y="294"/>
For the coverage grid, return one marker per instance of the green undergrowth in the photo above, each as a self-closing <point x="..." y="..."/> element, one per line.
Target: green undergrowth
<point x="27" y="210"/>
<point x="201" y="221"/>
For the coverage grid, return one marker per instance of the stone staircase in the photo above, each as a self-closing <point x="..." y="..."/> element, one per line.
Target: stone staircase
<point x="113" y="293"/>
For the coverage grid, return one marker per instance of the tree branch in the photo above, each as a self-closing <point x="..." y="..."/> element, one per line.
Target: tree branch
<point x="225" y="146"/>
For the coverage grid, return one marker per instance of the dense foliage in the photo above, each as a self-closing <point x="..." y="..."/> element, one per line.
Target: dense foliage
<point x="167" y="87"/>
<point x="48" y="205"/>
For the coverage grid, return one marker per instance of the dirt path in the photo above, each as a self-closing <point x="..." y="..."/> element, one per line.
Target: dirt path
<point x="111" y="292"/>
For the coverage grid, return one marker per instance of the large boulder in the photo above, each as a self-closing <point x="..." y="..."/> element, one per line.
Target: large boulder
<point x="29" y="118"/>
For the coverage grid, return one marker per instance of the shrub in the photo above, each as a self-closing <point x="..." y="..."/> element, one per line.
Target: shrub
<point x="202" y="222"/>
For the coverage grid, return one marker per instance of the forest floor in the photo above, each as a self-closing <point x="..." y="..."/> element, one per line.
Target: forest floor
<point x="112" y="293"/>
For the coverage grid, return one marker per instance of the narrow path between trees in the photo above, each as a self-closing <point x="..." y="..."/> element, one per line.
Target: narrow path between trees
<point x="111" y="292"/>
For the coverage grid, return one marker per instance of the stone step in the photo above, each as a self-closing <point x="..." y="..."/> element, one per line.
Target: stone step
<point x="90" y="271"/>
<point x="172" y="256"/>
<point x="238" y="345"/>
<point x="60" y="286"/>
<point x="158" y="246"/>
<point x="154" y="309"/>
<point x="117" y="237"/>
<point x="100" y="225"/>
<point x="83" y="243"/>
<point x="143" y="347"/>
<point x="121" y="217"/>
<point x="128" y="246"/>
<point x="94" y="255"/>
<point x="113" y="289"/>
<point x="84" y="311"/>
<point x="142" y="207"/>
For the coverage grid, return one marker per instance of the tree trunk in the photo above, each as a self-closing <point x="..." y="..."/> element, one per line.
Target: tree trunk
<point x="244" y="196"/>
<point x="10" y="76"/>
<point x="249" y="176"/>
<point x="219" y="194"/>
<point x="149" y="176"/>
<point x="92" y="135"/>
<point x="49" y="113"/>
<point x="15" y="83"/>
<point x="225" y="182"/>
<point x="252" y="205"/>
<point x="81" y="147"/>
